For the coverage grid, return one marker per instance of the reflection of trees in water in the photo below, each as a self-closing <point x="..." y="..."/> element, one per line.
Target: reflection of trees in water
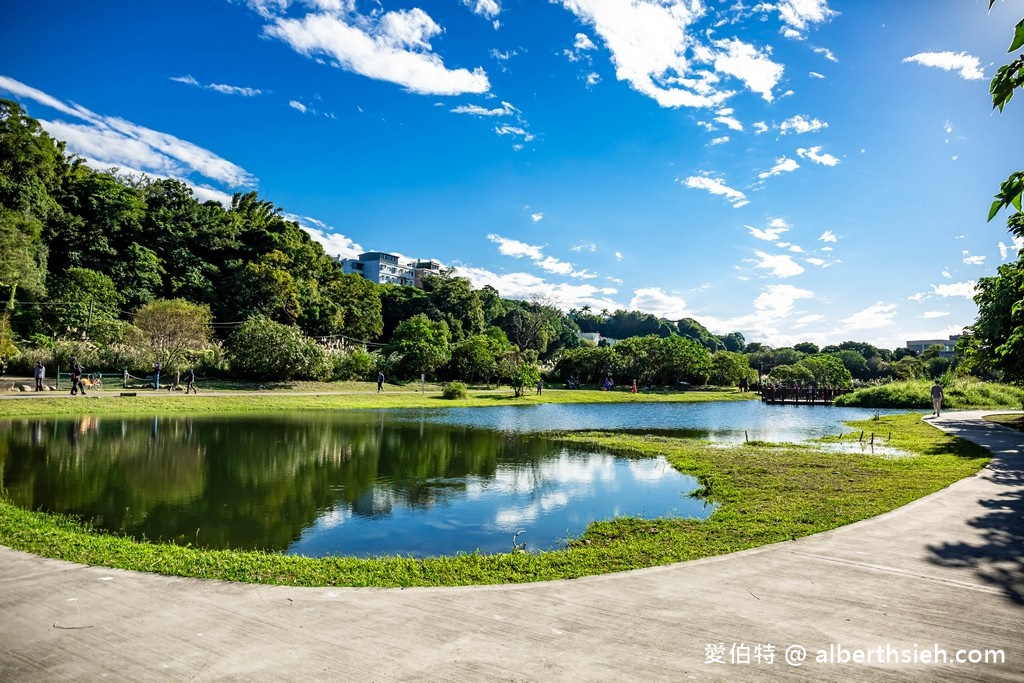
<point x="253" y="481"/>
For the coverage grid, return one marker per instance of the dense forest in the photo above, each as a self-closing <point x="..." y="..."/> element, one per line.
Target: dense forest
<point x="123" y="271"/>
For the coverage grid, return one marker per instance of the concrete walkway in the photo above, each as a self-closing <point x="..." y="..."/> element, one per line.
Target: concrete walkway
<point x="944" y="573"/>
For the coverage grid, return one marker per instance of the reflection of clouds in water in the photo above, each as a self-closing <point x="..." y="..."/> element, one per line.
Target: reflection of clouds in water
<point x="654" y="469"/>
<point x="335" y="517"/>
<point x="509" y="517"/>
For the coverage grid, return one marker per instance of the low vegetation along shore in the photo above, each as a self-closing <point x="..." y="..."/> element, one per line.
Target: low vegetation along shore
<point x="764" y="492"/>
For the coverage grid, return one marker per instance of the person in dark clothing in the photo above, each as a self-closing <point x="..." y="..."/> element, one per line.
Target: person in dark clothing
<point x="190" y="380"/>
<point x="76" y="377"/>
<point x="39" y="374"/>
<point x="380" y="381"/>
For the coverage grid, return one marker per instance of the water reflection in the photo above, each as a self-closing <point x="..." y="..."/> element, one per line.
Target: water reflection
<point x="355" y="483"/>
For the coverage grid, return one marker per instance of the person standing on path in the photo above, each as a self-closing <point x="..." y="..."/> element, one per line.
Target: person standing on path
<point x="156" y="375"/>
<point x="190" y="380"/>
<point x="39" y="374"/>
<point x="937" y="397"/>
<point x="380" y="381"/>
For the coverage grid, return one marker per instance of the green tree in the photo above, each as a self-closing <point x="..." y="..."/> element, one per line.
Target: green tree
<point x="999" y="328"/>
<point x="683" y="360"/>
<point x="361" y="311"/>
<point x="265" y="349"/>
<point x="827" y="370"/>
<point x="420" y="346"/>
<point x="22" y="254"/>
<point x="83" y="303"/>
<point x="173" y="328"/>
<point x="728" y="368"/>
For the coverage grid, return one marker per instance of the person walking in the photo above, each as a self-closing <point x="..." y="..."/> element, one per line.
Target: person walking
<point x="190" y="380"/>
<point x="39" y="374"/>
<point x="937" y="397"/>
<point x="156" y="375"/>
<point x="380" y="381"/>
<point x="76" y="377"/>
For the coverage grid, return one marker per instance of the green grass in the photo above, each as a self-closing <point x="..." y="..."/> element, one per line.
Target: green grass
<point x="765" y="493"/>
<point x="306" y="396"/>
<point x="960" y="394"/>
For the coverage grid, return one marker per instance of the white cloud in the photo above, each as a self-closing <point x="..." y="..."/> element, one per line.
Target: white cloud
<point x="484" y="8"/>
<point x="964" y="289"/>
<point x="719" y="141"/>
<point x="772" y="233"/>
<point x="777" y="301"/>
<point x="586" y="246"/>
<point x="108" y="141"/>
<point x="875" y="316"/>
<point x="334" y="243"/>
<point x="656" y="301"/>
<point x="814" y="261"/>
<point x="814" y="155"/>
<point x="593" y="79"/>
<point x="649" y="41"/>
<point x="537" y="217"/>
<point x="928" y="315"/>
<point x="295" y="104"/>
<point x="515" y="131"/>
<point x="754" y="68"/>
<point x="828" y="236"/>
<point x="219" y="87"/>
<point x="781" y="265"/>
<point x="1012" y="249"/>
<point x="583" y="42"/>
<point x="505" y="109"/>
<point x="525" y="286"/>
<point x="717" y="187"/>
<point x="726" y="118"/>
<point x="782" y="165"/>
<point x="825" y="52"/>
<point x="969" y="66"/>
<point x="515" y="248"/>
<point x="799" y="14"/>
<point x="815" y="74"/>
<point x="760" y="127"/>
<point x="799" y="125"/>
<point x="550" y="264"/>
<point x="618" y="256"/>
<point x="973" y="260"/>
<point x="393" y="47"/>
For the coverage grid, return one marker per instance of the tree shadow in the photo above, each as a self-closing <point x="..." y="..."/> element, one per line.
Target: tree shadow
<point x="998" y="560"/>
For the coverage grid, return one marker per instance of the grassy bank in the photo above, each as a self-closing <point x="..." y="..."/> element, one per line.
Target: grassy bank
<point x="300" y="397"/>
<point x="961" y="394"/>
<point x="765" y="492"/>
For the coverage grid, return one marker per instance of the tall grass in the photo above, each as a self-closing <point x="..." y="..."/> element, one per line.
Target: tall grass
<point x="959" y="394"/>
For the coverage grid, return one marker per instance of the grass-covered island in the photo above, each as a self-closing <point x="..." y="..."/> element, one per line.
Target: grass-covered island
<point x="960" y="394"/>
<point x="765" y="493"/>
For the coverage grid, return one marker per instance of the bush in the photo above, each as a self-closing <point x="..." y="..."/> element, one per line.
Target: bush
<point x="454" y="390"/>
<point x="266" y="350"/>
<point x="959" y="394"/>
<point x="354" y="365"/>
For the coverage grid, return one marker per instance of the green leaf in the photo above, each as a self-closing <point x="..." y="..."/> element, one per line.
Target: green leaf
<point x="994" y="209"/>
<point x="1018" y="37"/>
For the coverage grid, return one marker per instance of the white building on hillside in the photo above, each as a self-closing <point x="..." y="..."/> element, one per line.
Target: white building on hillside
<point x="384" y="268"/>
<point x="922" y="345"/>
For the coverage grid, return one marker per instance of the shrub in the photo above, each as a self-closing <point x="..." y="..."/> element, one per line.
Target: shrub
<point x="267" y="350"/>
<point x="454" y="390"/>
<point x="353" y="365"/>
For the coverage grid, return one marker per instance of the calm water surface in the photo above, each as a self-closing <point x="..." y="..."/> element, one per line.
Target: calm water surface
<point x="370" y="483"/>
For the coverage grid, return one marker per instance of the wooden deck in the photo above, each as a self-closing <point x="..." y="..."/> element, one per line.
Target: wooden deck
<point x="802" y="396"/>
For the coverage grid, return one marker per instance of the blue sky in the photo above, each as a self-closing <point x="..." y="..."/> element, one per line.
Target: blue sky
<point x="801" y="170"/>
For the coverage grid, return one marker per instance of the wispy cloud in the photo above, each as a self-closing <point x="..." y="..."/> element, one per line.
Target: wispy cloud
<point x="775" y="229"/>
<point x="956" y="289"/>
<point x="873" y="317"/>
<point x="537" y="217"/>
<point x="969" y="66"/>
<point x="1012" y="249"/>
<point x="485" y="8"/>
<point x="717" y="187"/>
<point x="566" y="295"/>
<point x="505" y="109"/>
<point x="800" y="125"/>
<point x="334" y="243"/>
<point x="782" y="165"/>
<point x="388" y="46"/>
<point x="814" y="154"/>
<point x="973" y="260"/>
<point x="219" y="87"/>
<point x="780" y="265"/>
<point x="828" y="236"/>
<point x="550" y="264"/>
<point x="109" y="141"/>
<point x="929" y="315"/>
